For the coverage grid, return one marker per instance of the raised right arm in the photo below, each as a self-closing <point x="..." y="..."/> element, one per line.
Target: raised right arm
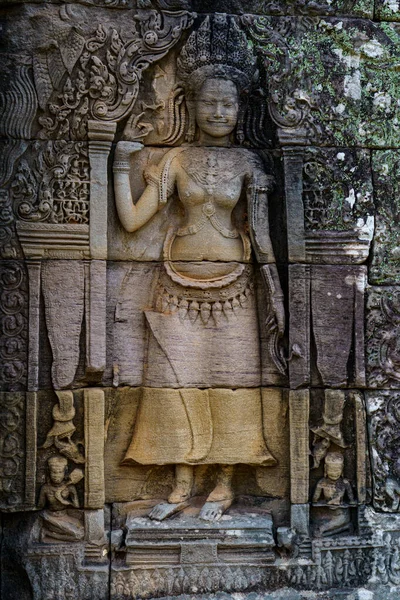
<point x="132" y="216"/>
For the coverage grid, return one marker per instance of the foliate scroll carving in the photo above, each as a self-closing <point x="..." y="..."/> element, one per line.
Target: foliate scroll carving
<point x="13" y="325"/>
<point x="383" y="352"/>
<point x="290" y="106"/>
<point x="51" y="183"/>
<point x="383" y="423"/>
<point x="12" y="429"/>
<point x="104" y="81"/>
<point x="9" y="247"/>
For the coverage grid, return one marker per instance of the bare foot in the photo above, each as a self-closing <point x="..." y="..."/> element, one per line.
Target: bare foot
<point x="179" y="494"/>
<point x="213" y="511"/>
<point x="183" y="484"/>
<point x="166" y="509"/>
<point x="221" y="493"/>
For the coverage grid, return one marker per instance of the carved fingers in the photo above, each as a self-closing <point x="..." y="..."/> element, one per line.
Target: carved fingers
<point x="125" y="149"/>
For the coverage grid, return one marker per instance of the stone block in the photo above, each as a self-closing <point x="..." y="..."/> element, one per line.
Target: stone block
<point x="382" y="320"/>
<point x="385" y="268"/>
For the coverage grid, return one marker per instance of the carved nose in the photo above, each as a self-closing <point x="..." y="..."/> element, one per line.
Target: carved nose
<point x="218" y="111"/>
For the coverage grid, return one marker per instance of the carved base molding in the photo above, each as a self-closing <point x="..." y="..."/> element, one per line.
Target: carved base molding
<point x="143" y="562"/>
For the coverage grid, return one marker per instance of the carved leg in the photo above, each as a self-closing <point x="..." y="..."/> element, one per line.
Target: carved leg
<point x="183" y="484"/>
<point x="221" y="497"/>
<point x="179" y="497"/>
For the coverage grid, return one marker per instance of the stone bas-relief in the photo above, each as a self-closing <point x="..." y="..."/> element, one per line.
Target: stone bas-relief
<point x="204" y="301"/>
<point x="199" y="309"/>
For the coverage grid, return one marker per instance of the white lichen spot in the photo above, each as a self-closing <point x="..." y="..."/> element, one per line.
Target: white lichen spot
<point x="338" y="296"/>
<point x="329" y="293"/>
<point x="372" y="48"/>
<point x="382" y="100"/>
<point x="340" y="156"/>
<point x="352" y="85"/>
<point x="366" y="228"/>
<point x="339" y="109"/>
<point x="392" y="5"/>
<point x="384" y="169"/>
<point x="365" y="594"/>
<point x="350" y="60"/>
<point x="351" y="198"/>
<point x="362" y="132"/>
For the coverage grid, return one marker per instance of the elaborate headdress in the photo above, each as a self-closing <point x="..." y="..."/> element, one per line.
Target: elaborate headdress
<point x="217" y="49"/>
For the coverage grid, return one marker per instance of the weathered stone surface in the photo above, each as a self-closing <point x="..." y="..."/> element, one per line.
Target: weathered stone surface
<point x="363" y="8"/>
<point x="129" y="481"/>
<point x="386" y="10"/>
<point x="385" y="267"/>
<point x="382" y="337"/>
<point x="382" y="408"/>
<point x="13" y="325"/>
<point x="191" y="208"/>
<point x="63" y="292"/>
<point x="333" y="90"/>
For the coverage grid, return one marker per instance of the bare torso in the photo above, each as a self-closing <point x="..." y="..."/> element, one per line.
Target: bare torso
<point x="209" y="182"/>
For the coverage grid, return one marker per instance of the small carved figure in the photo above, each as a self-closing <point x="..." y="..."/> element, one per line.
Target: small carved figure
<point x="392" y="486"/>
<point x="331" y="492"/>
<point x="330" y="430"/>
<point x="63" y="428"/>
<point x="287" y="542"/>
<point x="201" y="403"/>
<point x="57" y="495"/>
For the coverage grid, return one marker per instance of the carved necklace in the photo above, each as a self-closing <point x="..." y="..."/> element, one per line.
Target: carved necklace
<point x="209" y="175"/>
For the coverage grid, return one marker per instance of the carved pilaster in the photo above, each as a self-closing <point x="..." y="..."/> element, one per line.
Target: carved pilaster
<point x="293" y="168"/>
<point x="94" y="448"/>
<point x="34" y="270"/>
<point x="299" y="407"/>
<point x="101" y="136"/>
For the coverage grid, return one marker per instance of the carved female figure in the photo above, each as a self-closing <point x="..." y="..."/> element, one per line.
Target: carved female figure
<point x="201" y="401"/>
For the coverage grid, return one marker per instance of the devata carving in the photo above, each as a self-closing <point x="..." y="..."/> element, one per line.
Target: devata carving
<point x="59" y="494"/>
<point x="332" y="496"/>
<point x="203" y="323"/>
<point x="195" y="397"/>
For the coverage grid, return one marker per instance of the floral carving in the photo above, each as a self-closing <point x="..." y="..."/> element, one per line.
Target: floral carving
<point x="55" y="186"/>
<point x="13" y="326"/>
<point x="384" y="422"/>
<point x="383" y="350"/>
<point x="11" y="447"/>
<point x="104" y="82"/>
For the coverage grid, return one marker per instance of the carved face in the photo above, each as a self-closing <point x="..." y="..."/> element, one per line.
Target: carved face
<point x="217" y="107"/>
<point x="334" y="470"/>
<point x="57" y="473"/>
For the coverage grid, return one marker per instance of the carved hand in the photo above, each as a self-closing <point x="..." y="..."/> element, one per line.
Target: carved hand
<point x="125" y="149"/>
